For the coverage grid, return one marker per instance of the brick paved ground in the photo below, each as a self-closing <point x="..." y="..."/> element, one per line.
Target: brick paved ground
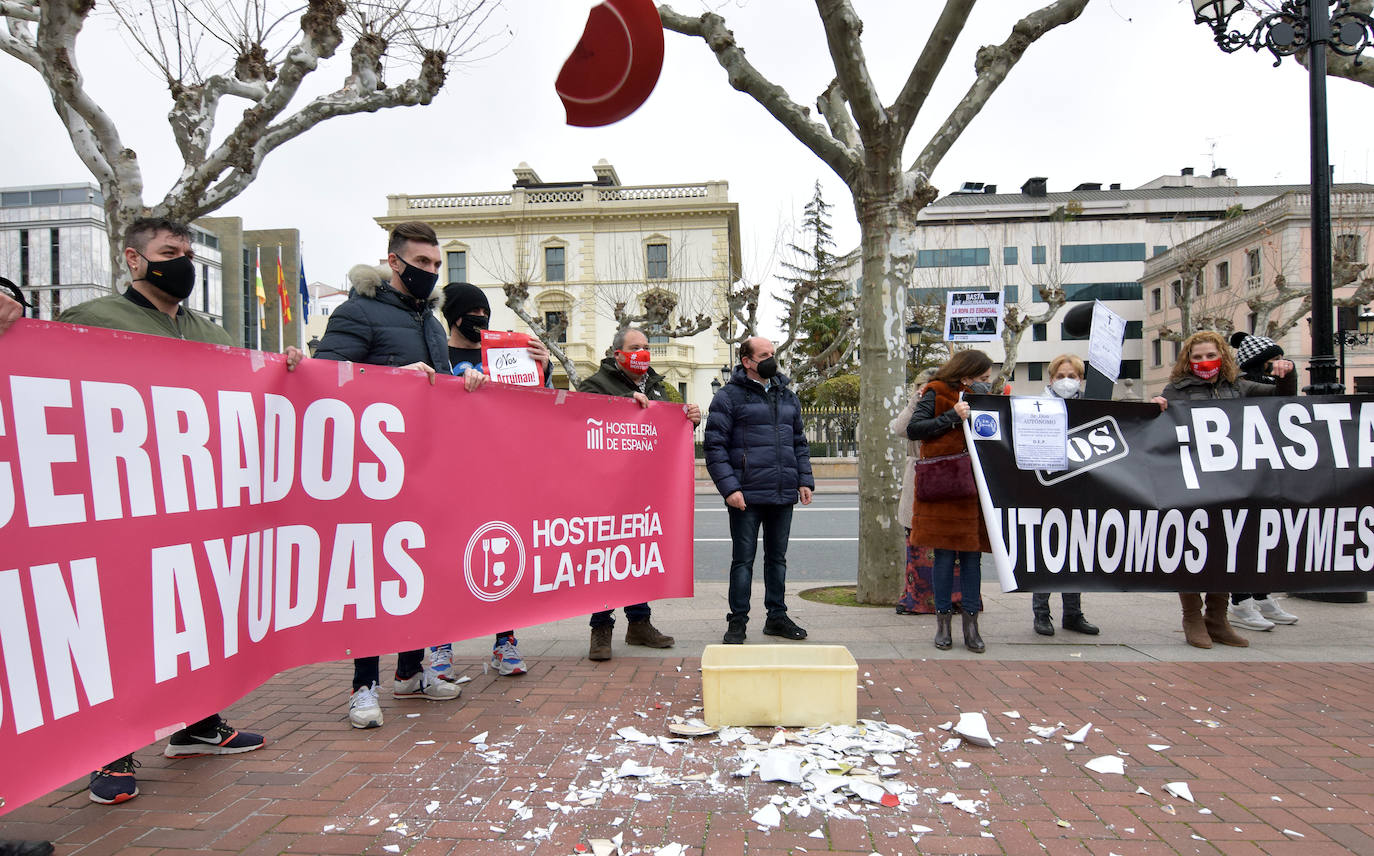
<point x="1271" y="752"/>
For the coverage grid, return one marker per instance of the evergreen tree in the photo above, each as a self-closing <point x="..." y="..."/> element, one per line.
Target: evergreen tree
<point x="819" y="317"/>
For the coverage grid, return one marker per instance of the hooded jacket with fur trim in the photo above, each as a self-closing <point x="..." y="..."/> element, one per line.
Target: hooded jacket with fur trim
<point x="384" y="327"/>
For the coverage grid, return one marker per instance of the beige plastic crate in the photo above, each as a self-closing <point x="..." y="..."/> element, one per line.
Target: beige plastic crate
<point x="779" y="685"/>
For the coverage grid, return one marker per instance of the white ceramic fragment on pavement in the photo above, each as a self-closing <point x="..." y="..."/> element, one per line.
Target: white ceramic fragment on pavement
<point x="973" y="727"/>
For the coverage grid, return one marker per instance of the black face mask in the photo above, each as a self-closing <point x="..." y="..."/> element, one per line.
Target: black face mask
<point x="767" y="368"/>
<point x="173" y="277"/>
<point x="470" y="327"/>
<point x="420" y="283"/>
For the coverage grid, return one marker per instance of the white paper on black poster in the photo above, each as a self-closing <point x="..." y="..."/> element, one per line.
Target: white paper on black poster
<point x="1104" y="346"/>
<point x="1040" y="433"/>
<point x="973" y="316"/>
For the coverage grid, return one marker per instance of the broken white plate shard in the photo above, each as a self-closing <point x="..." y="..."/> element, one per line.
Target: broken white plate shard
<point x="951" y="744"/>
<point x="950" y="798"/>
<point x="601" y="846"/>
<point x="392" y="848"/>
<point x="920" y="830"/>
<point x="1180" y="790"/>
<point x="962" y="765"/>
<point x="866" y="790"/>
<point x="643" y="797"/>
<point x="1107" y="764"/>
<point x="780" y="765"/>
<point x="945" y="726"/>
<point x="424" y="742"/>
<point x="779" y="738"/>
<point x="767" y="816"/>
<point x="882" y="759"/>
<point x="1158" y="747"/>
<point x="690" y="727"/>
<point x="634" y="768"/>
<point x="481" y="738"/>
<point x="815" y="833"/>
<point x="631" y="734"/>
<point x="973" y="727"/>
<point x="1204" y="811"/>
<point x="673" y="849"/>
<point x="1045" y="731"/>
<point x="1012" y="714"/>
<point x="1080" y="735"/>
<point x="431" y="807"/>
<point x="1294" y="834"/>
<point x="1142" y="791"/>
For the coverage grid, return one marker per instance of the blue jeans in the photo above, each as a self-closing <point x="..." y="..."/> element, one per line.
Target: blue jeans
<point x="776" y="521"/>
<point x="970" y="579"/>
<point x="634" y="612"/>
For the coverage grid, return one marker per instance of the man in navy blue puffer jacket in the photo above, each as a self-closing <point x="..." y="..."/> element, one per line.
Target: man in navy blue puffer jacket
<point x="758" y="456"/>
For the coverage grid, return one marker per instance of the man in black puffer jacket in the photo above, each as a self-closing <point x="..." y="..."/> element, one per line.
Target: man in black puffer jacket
<point x="389" y="321"/>
<point x="758" y="456"/>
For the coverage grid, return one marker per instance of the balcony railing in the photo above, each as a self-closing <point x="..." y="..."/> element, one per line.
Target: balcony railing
<point x="588" y="195"/>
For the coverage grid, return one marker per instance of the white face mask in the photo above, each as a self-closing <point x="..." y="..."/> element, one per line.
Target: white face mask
<point x="1065" y="387"/>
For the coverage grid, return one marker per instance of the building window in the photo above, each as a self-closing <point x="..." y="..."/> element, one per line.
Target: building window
<point x="1252" y="321"/>
<point x="656" y="261"/>
<point x="1038" y="255"/>
<point x="1135" y="330"/>
<point x="1348" y="247"/>
<point x="553" y="264"/>
<point x="1084" y="291"/>
<point x="1252" y="269"/>
<point x="1087" y="253"/>
<point x="1161" y="249"/>
<point x="969" y="257"/>
<point x="1200" y="287"/>
<point x="1178" y="349"/>
<point x="1156" y="295"/>
<point x="1008" y="255"/>
<point x="54" y="258"/>
<point x="682" y="389"/>
<point x="559" y="320"/>
<point x="1035" y="371"/>
<point x="1223" y="275"/>
<point x="457" y="262"/>
<point x="250" y="300"/>
<point x="1039" y="333"/>
<point x="205" y="289"/>
<point x="23" y="256"/>
<point x="1131" y="369"/>
<point x="55" y="302"/>
<point x="1156" y="353"/>
<point x="1176" y="292"/>
<point x="1011" y="294"/>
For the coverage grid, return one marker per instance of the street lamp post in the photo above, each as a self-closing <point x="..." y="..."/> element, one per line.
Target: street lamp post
<point x="1314" y="26"/>
<point x="1352" y="331"/>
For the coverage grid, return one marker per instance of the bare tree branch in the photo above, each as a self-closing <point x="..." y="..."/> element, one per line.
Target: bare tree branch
<point x="993" y="64"/>
<point x="711" y="29"/>
<point x="831" y="104"/>
<point x="929" y="65"/>
<point x="843" y="30"/>
<point x="517" y="297"/>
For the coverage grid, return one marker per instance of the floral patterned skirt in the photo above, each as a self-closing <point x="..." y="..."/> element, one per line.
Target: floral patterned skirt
<point x="918" y="595"/>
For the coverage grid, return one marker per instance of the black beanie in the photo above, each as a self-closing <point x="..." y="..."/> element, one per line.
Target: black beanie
<point x="460" y="298"/>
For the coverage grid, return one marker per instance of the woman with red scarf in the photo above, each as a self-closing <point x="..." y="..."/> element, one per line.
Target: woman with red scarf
<point x="1206" y="370"/>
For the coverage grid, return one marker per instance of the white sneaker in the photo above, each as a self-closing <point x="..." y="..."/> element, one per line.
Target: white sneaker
<point x="1270" y="609"/>
<point x="364" y="711"/>
<point x="425" y="683"/>
<point x="1244" y="614"/>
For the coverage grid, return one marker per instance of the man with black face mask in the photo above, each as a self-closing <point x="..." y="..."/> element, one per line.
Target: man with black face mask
<point x="388" y="320"/>
<point x="759" y="458"/>
<point x="158" y="255"/>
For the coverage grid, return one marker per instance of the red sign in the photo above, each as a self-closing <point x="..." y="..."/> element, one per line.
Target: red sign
<point x="182" y="521"/>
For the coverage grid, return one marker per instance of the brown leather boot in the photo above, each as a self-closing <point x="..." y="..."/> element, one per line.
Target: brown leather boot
<point x="1194" y="628"/>
<point x="601" y="643"/>
<point x="1218" y="626"/>
<point x="644" y="633"/>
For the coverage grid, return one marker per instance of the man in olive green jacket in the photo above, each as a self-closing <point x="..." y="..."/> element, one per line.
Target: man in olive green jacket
<point x="626" y="374"/>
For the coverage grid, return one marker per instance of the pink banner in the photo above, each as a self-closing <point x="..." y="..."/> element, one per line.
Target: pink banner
<point x="181" y="521"/>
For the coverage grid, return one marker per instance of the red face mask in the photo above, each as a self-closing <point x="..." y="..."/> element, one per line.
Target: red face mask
<point x="635" y="363"/>
<point x="1207" y="369"/>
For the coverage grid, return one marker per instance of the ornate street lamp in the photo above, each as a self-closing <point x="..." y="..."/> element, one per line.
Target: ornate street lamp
<point x="1313" y="26"/>
<point x="1352" y="331"/>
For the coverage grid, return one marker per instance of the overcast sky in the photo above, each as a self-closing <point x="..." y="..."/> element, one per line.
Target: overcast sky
<point x="1130" y="91"/>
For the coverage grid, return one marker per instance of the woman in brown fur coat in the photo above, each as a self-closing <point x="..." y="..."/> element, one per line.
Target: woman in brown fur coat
<point x="952" y="527"/>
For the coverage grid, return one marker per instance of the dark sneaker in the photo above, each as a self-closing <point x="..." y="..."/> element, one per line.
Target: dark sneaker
<point x="734" y="632"/>
<point x="222" y="739"/>
<point x="115" y="782"/>
<point x="784" y="627"/>
<point x="11" y="847"/>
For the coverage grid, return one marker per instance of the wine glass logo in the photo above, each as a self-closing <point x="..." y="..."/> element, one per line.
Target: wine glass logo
<point x="497" y="572"/>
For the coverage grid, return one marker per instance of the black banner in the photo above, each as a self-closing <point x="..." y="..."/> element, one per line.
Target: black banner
<point x="1254" y="494"/>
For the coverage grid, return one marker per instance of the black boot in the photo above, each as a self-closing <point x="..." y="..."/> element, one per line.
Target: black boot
<point x="12" y="847"/>
<point x="1079" y="624"/>
<point x="972" y="640"/>
<point x="942" y="639"/>
<point x="1043" y="624"/>
<point x="734" y="631"/>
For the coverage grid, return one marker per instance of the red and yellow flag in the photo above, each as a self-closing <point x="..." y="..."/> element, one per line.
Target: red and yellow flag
<point x="282" y="294"/>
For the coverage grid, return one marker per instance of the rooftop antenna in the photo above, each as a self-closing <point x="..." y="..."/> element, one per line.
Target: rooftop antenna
<point x="1211" y="152"/>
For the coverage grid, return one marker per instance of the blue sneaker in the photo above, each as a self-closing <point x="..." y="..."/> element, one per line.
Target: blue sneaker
<point x="115" y="782"/>
<point x="220" y="739"/>
<point x="505" y="658"/>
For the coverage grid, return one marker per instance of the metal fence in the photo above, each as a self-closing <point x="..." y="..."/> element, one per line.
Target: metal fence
<point x="829" y="430"/>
